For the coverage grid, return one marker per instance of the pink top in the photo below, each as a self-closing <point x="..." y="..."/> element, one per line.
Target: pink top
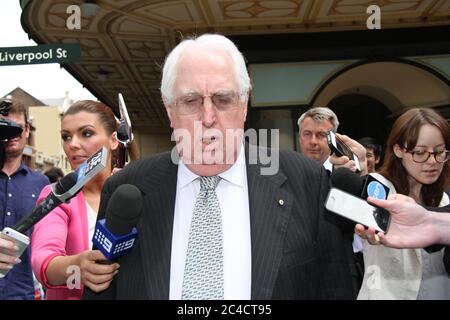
<point x="63" y="232"/>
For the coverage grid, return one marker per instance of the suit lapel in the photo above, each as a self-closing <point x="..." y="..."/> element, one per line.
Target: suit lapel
<point x="269" y="214"/>
<point x="270" y="206"/>
<point x="155" y="230"/>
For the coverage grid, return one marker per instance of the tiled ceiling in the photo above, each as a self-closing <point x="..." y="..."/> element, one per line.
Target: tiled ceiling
<point x="124" y="45"/>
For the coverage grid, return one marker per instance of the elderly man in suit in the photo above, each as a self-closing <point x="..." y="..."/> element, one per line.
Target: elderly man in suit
<point x="214" y="226"/>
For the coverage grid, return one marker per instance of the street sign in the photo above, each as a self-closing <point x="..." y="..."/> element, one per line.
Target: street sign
<point x="47" y="53"/>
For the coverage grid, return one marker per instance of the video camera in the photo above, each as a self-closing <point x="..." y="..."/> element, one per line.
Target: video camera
<point x="8" y="129"/>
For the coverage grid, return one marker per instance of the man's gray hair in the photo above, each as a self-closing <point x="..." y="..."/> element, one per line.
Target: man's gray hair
<point x="320" y="114"/>
<point x="210" y="40"/>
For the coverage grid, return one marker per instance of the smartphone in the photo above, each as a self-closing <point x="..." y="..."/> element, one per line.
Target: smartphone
<point x="20" y="240"/>
<point x="357" y="210"/>
<point x="338" y="147"/>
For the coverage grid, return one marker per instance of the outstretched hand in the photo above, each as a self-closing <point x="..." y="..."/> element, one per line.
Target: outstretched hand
<point x="409" y="227"/>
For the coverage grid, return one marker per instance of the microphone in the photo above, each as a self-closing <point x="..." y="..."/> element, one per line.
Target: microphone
<point x="363" y="187"/>
<point x="67" y="188"/>
<point x="62" y="191"/>
<point x="115" y="235"/>
<point x="124" y="132"/>
<point x="48" y="204"/>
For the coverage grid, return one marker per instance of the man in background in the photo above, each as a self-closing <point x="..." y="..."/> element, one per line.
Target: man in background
<point x="312" y="135"/>
<point x="19" y="189"/>
<point x="373" y="152"/>
<point x="313" y="127"/>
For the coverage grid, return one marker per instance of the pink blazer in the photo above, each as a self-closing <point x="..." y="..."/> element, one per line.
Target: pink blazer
<point x="63" y="232"/>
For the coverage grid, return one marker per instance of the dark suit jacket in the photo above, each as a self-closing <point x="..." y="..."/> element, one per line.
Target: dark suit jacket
<point x="297" y="250"/>
<point x="447" y="248"/>
<point x="437" y="247"/>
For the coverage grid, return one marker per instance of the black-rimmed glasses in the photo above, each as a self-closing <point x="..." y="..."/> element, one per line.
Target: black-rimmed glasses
<point x="422" y="156"/>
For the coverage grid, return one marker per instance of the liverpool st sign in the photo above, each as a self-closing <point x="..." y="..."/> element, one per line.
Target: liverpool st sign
<point x="48" y="53"/>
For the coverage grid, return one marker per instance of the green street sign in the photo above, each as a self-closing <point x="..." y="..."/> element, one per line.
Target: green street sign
<point x="46" y="53"/>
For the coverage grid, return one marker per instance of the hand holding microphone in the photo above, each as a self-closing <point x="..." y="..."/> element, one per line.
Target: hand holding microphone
<point x="114" y="236"/>
<point x="62" y="191"/>
<point x="97" y="276"/>
<point x="14" y="241"/>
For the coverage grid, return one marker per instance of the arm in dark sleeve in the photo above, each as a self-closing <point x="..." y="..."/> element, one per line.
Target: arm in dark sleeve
<point x="336" y="279"/>
<point x="447" y="259"/>
<point x="437" y="247"/>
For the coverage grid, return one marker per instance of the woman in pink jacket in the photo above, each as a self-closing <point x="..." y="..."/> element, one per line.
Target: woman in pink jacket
<point x="61" y="243"/>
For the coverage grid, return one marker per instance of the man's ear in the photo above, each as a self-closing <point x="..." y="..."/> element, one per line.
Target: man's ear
<point x="398" y="151"/>
<point x="26" y="130"/>
<point x="245" y="106"/>
<point x="169" y="111"/>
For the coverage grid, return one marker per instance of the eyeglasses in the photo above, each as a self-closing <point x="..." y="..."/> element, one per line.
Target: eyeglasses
<point x="192" y="103"/>
<point x="421" y="156"/>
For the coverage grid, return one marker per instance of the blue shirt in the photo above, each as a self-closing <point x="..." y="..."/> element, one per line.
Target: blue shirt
<point x="18" y="195"/>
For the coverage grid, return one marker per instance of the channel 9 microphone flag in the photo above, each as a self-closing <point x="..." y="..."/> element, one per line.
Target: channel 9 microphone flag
<point x="115" y="235"/>
<point x="62" y="191"/>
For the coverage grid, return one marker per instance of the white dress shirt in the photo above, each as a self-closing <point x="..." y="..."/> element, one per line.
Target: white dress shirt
<point x="92" y="220"/>
<point x="232" y="192"/>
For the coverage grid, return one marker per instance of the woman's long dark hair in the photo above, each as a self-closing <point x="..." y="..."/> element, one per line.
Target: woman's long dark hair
<point x="405" y="133"/>
<point x="104" y="113"/>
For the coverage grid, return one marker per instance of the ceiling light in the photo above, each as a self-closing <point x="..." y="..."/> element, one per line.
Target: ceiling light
<point x="90" y="9"/>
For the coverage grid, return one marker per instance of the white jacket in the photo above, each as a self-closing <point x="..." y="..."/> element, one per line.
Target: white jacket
<point x="392" y="273"/>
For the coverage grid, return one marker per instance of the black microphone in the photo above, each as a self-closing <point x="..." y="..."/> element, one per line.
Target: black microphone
<point x="17" y="235"/>
<point x="62" y="191"/>
<point x="48" y="204"/>
<point x="125" y="131"/>
<point x="124" y="134"/>
<point x="115" y="235"/>
<point x="360" y="186"/>
<point x="67" y="188"/>
<point x="447" y="259"/>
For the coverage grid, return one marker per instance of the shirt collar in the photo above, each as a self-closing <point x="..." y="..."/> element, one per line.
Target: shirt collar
<point x="235" y="174"/>
<point x="328" y="165"/>
<point x="22" y="169"/>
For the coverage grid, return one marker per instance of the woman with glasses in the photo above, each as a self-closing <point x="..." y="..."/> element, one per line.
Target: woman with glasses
<point x="416" y="164"/>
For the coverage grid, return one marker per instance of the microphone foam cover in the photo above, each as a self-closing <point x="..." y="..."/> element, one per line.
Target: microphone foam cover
<point x="122" y="134"/>
<point x="348" y="181"/>
<point x="123" y="209"/>
<point x="66" y="182"/>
